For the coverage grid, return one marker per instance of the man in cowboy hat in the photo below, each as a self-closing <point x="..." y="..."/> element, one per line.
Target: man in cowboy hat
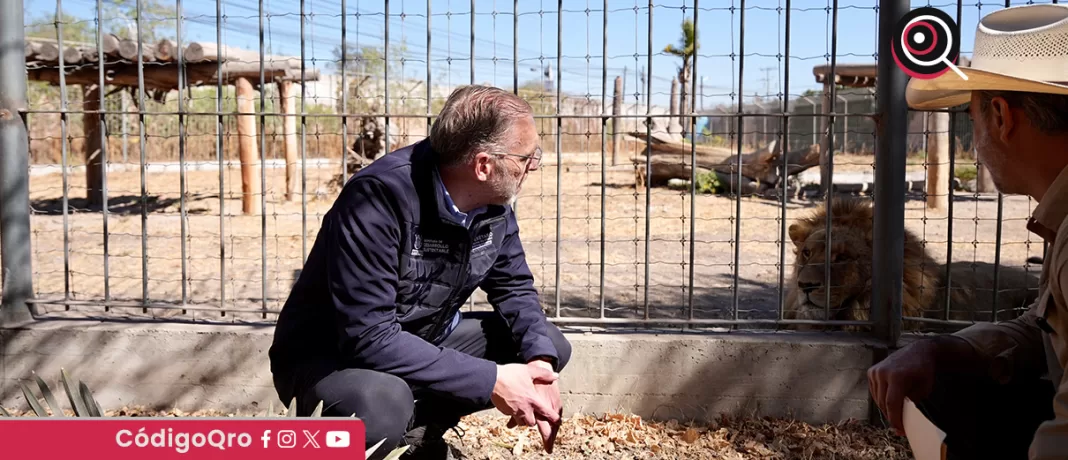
<point x="1000" y="390"/>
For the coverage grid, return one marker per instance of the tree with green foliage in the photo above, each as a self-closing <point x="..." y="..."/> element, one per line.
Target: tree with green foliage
<point x="75" y="29"/>
<point x="159" y="20"/>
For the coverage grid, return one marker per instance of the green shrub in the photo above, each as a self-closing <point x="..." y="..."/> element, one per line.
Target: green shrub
<point x="966" y="172"/>
<point x="708" y="182"/>
<point x="84" y="405"/>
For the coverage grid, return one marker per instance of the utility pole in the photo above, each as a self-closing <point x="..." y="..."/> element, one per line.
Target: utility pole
<point x="767" y="80"/>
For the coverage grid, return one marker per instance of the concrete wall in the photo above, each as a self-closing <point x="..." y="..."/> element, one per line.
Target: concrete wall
<point x="683" y="376"/>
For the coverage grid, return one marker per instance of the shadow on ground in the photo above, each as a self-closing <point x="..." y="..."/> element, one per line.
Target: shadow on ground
<point x="121" y="205"/>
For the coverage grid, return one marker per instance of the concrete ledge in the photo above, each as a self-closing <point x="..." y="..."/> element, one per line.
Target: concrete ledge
<point x="815" y="378"/>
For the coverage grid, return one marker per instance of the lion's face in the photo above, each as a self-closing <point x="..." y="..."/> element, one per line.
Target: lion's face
<point x="849" y="277"/>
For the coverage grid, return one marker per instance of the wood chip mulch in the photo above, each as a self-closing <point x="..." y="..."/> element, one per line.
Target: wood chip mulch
<point x="620" y="436"/>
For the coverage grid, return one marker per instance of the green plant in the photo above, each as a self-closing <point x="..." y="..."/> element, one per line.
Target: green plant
<point x="84" y="405"/>
<point x="707" y="182"/>
<point x="966" y="172"/>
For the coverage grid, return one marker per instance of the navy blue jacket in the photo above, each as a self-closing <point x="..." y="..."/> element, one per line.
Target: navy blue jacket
<point x="389" y="270"/>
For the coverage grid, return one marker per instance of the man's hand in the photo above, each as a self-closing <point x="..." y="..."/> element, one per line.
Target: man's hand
<point x="550" y="393"/>
<point x="910" y="373"/>
<point x="515" y="393"/>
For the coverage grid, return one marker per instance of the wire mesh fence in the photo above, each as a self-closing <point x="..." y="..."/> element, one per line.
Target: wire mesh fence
<point x="227" y="129"/>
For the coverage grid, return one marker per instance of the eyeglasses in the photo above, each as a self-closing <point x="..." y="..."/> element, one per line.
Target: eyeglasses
<point x="534" y="159"/>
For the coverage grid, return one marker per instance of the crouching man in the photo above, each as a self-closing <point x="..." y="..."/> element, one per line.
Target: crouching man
<point x="999" y="390"/>
<point x="373" y="325"/>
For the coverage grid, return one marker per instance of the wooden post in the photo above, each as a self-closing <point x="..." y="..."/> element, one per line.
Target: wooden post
<point x="983" y="182"/>
<point x="826" y="181"/>
<point x="617" y="128"/>
<point x="289" y="132"/>
<point x="94" y="153"/>
<point x="672" y="122"/>
<point x="246" y="133"/>
<point x="938" y="160"/>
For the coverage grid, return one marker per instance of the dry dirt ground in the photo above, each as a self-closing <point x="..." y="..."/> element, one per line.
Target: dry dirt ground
<point x="228" y="258"/>
<point x="617" y="436"/>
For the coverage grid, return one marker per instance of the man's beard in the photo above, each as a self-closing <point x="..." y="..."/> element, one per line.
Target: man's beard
<point x="506" y="189"/>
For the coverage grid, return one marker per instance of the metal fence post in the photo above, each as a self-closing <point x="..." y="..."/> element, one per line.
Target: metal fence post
<point x="14" y="168"/>
<point x="889" y="235"/>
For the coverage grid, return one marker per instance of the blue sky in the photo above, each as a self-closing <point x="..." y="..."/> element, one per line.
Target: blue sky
<point x="718" y="27"/>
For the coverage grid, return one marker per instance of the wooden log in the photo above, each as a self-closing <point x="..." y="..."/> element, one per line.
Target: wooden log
<point x="71" y="55"/>
<point x="110" y="44"/>
<point x="800" y="161"/>
<point x="209" y="52"/>
<point x="165" y="51"/>
<point x="47" y="52"/>
<point x="289" y="131"/>
<point x="199" y="52"/>
<point x="248" y="152"/>
<point x="165" y="77"/>
<point x="663" y="169"/>
<point x="658" y="145"/>
<point x="759" y="165"/>
<point x="938" y="160"/>
<point x="89" y="54"/>
<point x="94" y="153"/>
<point x="128" y="51"/>
<point x="29" y="48"/>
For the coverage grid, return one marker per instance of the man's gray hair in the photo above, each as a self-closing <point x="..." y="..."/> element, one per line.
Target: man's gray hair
<point x="1047" y="112"/>
<point x="475" y="118"/>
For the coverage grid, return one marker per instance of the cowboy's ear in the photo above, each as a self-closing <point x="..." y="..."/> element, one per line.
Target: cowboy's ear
<point x="1002" y="118"/>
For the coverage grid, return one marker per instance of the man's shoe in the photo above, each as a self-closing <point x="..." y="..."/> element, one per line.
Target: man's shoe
<point x="432" y="450"/>
<point x="428" y="443"/>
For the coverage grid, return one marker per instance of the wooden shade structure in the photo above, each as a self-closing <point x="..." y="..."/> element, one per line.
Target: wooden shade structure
<point x="159" y="67"/>
<point x="864" y="76"/>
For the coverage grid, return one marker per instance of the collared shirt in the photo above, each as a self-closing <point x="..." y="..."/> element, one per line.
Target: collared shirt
<point x="461" y="216"/>
<point x="1036" y="343"/>
<point x="464" y="220"/>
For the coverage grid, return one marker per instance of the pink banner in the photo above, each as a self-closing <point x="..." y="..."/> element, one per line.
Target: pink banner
<point x="138" y="438"/>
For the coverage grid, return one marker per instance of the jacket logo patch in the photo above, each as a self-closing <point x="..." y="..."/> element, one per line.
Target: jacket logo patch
<point x="482" y="241"/>
<point x="422" y="246"/>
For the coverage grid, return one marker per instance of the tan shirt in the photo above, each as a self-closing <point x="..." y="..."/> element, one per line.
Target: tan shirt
<point x="1036" y="343"/>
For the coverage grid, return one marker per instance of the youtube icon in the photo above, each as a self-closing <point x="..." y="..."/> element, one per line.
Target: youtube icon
<point x="337" y="439"/>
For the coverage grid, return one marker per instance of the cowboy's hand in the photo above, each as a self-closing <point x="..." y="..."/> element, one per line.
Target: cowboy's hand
<point x="515" y="393"/>
<point x="909" y="372"/>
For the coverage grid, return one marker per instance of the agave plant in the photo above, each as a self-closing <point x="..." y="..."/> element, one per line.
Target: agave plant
<point x="81" y="399"/>
<point x="85" y="405"/>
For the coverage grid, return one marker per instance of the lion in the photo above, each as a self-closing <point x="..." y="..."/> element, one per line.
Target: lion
<point x="923" y="285"/>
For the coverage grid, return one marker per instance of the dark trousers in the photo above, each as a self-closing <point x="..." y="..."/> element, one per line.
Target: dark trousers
<point x="983" y="419"/>
<point x="387" y="404"/>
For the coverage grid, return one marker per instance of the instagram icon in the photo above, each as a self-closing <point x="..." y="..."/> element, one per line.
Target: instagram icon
<point x="287" y="439"/>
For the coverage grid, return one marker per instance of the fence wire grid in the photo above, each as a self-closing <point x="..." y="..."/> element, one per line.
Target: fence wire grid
<point x="302" y="93"/>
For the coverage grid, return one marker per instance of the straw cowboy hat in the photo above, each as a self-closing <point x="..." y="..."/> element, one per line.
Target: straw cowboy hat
<point x="1022" y="48"/>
